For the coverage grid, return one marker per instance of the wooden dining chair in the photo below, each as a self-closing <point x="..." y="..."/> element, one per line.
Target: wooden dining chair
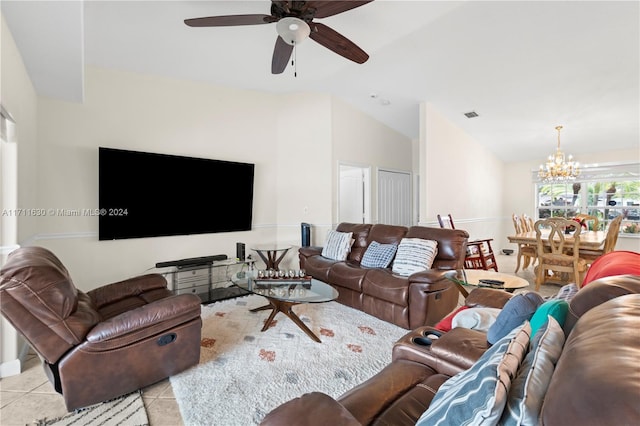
<point x="527" y="223"/>
<point x="595" y="223"/>
<point x="527" y="253"/>
<point x="479" y="252"/>
<point x="556" y="253"/>
<point x="610" y="242"/>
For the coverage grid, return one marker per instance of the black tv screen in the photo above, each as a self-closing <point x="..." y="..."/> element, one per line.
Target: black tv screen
<point x="143" y="194"/>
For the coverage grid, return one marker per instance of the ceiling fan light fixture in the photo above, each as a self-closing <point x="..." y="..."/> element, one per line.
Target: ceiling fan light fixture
<point x="293" y="30"/>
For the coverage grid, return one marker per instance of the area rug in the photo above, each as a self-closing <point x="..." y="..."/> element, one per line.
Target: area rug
<point x="244" y="373"/>
<point x="127" y="410"/>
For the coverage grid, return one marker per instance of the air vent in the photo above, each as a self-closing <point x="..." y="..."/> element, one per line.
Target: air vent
<point x="471" y="114"/>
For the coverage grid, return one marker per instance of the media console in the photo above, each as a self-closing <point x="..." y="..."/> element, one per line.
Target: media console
<point x="207" y="277"/>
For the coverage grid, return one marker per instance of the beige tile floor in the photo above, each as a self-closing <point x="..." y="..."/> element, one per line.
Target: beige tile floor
<point x="29" y="396"/>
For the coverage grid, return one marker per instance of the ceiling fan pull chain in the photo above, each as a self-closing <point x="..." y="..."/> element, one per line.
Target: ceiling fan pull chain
<point x="294" y="61"/>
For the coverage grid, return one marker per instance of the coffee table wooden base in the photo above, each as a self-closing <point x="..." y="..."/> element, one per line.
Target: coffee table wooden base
<point x="286" y="308"/>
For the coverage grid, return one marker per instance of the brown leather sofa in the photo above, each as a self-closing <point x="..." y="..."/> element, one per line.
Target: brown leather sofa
<point x="422" y="298"/>
<point x="107" y="342"/>
<point x="595" y="380"/>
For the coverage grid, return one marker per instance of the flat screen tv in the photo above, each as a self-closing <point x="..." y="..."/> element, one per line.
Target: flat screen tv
<point x="143" y="194"/>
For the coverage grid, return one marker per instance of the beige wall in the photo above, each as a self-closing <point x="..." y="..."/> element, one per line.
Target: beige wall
<point x="294" y="140"/>
<point x="18" y="97"/>
<point x="459" y="176"/>
<point x="358" y="139"/>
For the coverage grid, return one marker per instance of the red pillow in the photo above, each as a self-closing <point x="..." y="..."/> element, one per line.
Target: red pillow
<point x="613" y="263"/>
<point x="445" y="323"/>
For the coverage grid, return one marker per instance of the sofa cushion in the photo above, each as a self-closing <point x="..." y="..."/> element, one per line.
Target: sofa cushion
<point x="382" y="284"/>
<point x="555" y="308"/>
<point x="347" y="275"/>
<point x="378" y="255"/>
<point x="528" y="388"/>
<point x="479" y="394"/>
<point x="598" y="368"/>
<point x="319" y="267"/>
<point x="360" y="232"/>
<point x="519" y="308"/>
<point x="451" y="244"/>
<point x="337" y="245"/>
<point x="414" y="255"/>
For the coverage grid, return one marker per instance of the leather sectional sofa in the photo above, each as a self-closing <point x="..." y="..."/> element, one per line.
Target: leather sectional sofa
<point x="594" y="381"/>
<point x="421" y="298"/>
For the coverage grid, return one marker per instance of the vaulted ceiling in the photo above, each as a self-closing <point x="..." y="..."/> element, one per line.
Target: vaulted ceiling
<point x="523" y="67"/>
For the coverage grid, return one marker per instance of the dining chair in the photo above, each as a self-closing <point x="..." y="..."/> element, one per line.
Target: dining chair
<point x="610" y="242"/>
<point x="588" y="218"/>
<point x="556" y="252"/>
<point x="526" y="252"/>
<point x="527" y="223"/>
<point x="479" y="252"/>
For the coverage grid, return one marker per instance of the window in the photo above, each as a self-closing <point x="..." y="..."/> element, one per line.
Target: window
<point x="604" y="191"/>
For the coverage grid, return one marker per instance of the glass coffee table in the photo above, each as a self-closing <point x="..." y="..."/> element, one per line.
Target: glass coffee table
<point x="284" y="294"/>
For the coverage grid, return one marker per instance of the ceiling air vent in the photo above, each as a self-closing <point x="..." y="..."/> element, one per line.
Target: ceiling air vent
<point x="471" y="114"/>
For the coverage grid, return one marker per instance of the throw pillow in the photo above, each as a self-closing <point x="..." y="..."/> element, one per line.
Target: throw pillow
<point x="445" y="324"/>
<point x="414" y="255"/>
<point x="479" y="394"/>
<point x="529" y="387"/>
<point x="476" y="318"/>
<point x="566" y="293"/>
<point x="338" y="245"/>
<point x="555" y="308"/>
<point x="519" y="308"/>
<point x="378" y="255"/>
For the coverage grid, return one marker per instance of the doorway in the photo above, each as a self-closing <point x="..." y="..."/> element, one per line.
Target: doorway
<point x="394" y="198"/>
<point x="354" y="200"/>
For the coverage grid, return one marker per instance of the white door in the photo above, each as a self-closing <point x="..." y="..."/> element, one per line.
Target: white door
<point x="394" y="198"/>
<point x="353" y="194"/>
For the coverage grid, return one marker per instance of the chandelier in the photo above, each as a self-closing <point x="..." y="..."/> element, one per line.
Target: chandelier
<point x="556" y="168"/>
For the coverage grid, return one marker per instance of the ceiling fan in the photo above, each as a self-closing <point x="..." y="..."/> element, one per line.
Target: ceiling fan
<point x="294" y="23"/>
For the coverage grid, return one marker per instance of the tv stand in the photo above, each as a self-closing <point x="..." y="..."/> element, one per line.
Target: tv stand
<point x="208" y="279"/>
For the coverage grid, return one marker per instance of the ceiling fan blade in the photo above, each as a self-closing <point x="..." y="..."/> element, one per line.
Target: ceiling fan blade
<point x="338" y="43"/>
<point x="330" y="8"/>
<point x="230" y="20"/>
<point x="281" y="54"/>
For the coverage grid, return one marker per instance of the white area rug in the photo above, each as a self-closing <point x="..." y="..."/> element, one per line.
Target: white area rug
<point x="245" y="373"/>
<point x="128" y="410"/>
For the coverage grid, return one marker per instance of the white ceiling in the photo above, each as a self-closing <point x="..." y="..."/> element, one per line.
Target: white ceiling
<point x="524" y="67"/>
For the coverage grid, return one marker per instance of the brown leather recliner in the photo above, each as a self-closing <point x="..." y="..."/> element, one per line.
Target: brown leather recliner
<point x="107" y="342"/>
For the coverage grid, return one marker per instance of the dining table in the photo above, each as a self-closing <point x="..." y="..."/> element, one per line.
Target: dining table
<point x="589" y="240"/>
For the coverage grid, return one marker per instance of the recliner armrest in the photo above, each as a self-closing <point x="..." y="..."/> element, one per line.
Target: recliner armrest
<point x="130" y="287"/>
<point x="310" y="251"/>
<point x="311" y="409"/>
<point x="147" y="320"/>
<point x="432" y="279"/>
<point x="487" y="298"/>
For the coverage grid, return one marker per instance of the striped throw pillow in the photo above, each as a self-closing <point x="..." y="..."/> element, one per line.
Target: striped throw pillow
<point x="414" y="255"/>
<point x="338" y="245"/>
<point x="528" y="388"/>
<point x="478" y="395"/>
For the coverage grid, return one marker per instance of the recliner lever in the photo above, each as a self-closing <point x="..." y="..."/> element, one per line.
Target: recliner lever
<point x="167" y="338"/>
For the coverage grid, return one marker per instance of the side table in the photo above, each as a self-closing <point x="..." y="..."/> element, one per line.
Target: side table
<point x="271" y="254"/>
